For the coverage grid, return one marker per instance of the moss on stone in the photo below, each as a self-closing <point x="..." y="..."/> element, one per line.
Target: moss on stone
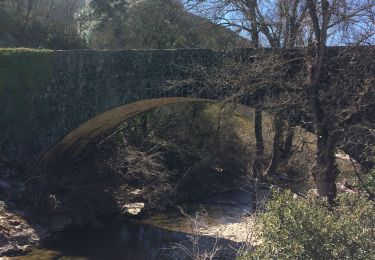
<point x="24" y="68"/>
<point x="24" y="77"/>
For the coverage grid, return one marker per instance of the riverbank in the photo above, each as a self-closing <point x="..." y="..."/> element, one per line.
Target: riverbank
<point x="218" y="226"/>
<point x="17" y="235"/>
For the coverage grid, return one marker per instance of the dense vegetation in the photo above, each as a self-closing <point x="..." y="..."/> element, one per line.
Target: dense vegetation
<point x="36" y="24"/>
<point x="307" y="228"/>
<point x="112" y="24"/>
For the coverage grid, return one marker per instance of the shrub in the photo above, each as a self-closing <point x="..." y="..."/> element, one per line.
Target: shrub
<point x="306" y="228"/>
<point x="368" y="182"/>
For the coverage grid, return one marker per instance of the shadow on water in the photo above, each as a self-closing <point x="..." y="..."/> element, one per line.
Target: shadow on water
<point x="155" y="237"/>
<point x="131" y="240"/>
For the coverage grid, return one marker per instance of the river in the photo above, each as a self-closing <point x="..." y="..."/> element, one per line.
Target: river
<point x="158" y="236"/>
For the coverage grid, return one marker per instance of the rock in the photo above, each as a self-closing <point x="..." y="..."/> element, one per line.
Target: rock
<point x="133" y="208"/>
<point x="16" y="234"/>
<point x="14" y="222"/>
<point x="136" y="192"/>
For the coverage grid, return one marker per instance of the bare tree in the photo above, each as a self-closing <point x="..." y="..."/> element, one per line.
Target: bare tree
<point x="314" y="25"/>
<point x="327" y="19"/>
<point x="266" y="24"/>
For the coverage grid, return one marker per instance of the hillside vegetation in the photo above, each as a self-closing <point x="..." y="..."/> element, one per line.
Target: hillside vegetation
<point x="125" y="24"/>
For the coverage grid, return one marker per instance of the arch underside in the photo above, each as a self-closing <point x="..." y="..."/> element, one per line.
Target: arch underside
<point x="77" y="140"/>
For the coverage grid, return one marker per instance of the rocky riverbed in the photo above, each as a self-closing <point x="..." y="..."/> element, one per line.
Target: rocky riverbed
<point x="16" y="234"/>
<point x="220" y="225"/>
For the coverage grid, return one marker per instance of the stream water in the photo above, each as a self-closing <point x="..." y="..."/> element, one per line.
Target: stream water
<point x="150" y="238"/>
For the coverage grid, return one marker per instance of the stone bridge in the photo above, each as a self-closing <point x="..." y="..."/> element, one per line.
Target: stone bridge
<point x="58" y="101"/>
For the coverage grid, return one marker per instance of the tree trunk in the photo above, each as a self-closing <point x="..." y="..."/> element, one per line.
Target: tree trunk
<point x="276" y="146"/>
<point x="324" y="170"/>
<point x="253" y="5"/>
<point x="259" y="153"/>
<point x="288" y="145"/>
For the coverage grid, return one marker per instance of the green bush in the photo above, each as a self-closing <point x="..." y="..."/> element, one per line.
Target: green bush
<point x="306" y="228"/>
<point x="368" y="182"/>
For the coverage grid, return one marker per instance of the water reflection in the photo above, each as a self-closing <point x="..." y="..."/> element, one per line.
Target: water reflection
<point x="130" y="241"/>
<point x="149" y="239"/>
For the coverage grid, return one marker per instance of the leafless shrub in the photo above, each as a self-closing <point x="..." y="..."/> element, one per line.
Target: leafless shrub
<point x="196" y="249"/>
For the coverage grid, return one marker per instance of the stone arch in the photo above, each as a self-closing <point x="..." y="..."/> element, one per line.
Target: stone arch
<point x="79" y="138"/>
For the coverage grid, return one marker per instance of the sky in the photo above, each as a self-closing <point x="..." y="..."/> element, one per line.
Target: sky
<point x="362" y="27"/>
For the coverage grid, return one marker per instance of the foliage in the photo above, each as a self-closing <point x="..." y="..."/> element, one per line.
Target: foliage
<point x="103" y="17"/>
<point x="35" y="24"/>
<point x="107" y="24"/>
<point x="202" y="143"/>
<point x="200" y="129"/>
<point x="156" y="24"/>
<point x="368" y="182"/>
<point x="307" y="228"/>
